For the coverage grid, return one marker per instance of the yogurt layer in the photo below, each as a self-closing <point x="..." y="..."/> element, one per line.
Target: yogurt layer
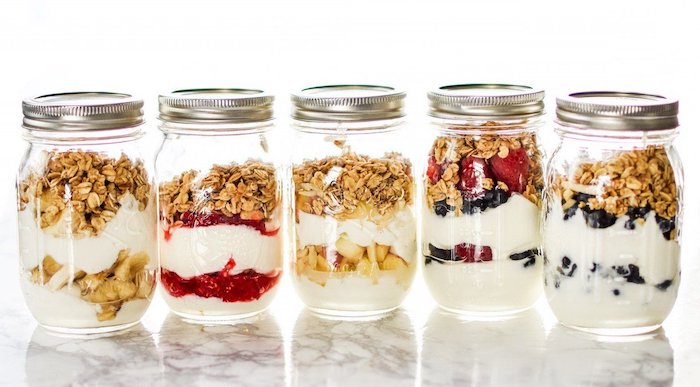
<point x="510" y="228"/>
<point x="194" y="306"/>
<point x="399" y="233"/>
<point x="645" y="246"/>
<point x="129" y="229"/>
<point x="193" y="251"/>
<point x="65" y="309"/>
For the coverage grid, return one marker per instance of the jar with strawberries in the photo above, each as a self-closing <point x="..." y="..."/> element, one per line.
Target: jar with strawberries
<point x="483" y="185"/>
<point x="353" y="186"/>
<point x="220" y="203"/>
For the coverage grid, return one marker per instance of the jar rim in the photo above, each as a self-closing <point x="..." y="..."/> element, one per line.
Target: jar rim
<point x="347" y="103"/>
<point x="216" y="106"/>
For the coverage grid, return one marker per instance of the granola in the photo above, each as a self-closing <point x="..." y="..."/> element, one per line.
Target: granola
<point x="632" y="179"/>
<point x="448" y="151"/>
<point x="352" y="185"/>
<point x="128" y="279"/>
<point x="89" y="184"/>
<point x="248" y="190"/>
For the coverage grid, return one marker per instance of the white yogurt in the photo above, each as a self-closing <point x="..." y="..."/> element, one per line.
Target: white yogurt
<point x="129" y="229"/>
<point x="65" y="309"/>
<point x="194" y="251"/>
<point x="587" y="299"/>
<point x="495" y="286"/>
<point x="510" y="228"/>
<point x="195" y="307"/>
<point x="399" y="233"/>
<point x="352" y="294"/>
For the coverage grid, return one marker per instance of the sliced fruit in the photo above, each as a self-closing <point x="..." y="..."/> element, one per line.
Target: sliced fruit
<point x="349" y="249"/>
<point x="512" y="169"/>
<point x="393" y="262"/>
<point x="382" y="251"/>
<point x="434" y="171"/>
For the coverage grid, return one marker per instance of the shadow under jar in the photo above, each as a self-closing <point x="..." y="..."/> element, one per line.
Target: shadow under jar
<point x="353" y="187"/>
<point x="86" y="212"/>
<point x="220" y="204"/>
<point x="483" y="184"/>
<point x="613" y="212"/>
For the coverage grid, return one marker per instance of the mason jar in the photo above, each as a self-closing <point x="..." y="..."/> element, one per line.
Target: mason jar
<point x="482" y="195"/>
<point x="353" y="188"/>
<point x="220" y="203"/>
<point x="86" y="212"/>
<point x="613" y="212"/>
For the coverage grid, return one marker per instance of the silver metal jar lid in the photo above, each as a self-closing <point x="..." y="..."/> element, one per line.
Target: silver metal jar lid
<point x="612" y="110"/>
<point x="82" y="111"/>
<point x="216" y="106"/>
<point x="486" y="100"/>
<point x="348" y="103"/>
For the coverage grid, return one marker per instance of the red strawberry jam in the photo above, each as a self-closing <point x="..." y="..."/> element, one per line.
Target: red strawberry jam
<point x="201" y="219"/>
<point x="245" y="286"/>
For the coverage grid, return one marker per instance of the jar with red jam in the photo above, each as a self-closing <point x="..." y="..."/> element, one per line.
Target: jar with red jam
<point x="482" y="197"/>
<point x="220" y="203"/>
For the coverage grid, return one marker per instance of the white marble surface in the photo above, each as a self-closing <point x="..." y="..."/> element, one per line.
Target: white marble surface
<point x="416" y="345"/>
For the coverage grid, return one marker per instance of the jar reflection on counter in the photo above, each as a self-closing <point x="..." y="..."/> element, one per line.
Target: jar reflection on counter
<point x="87" y="213"/>
<point x="220" y="203"/>
<point x="483" y="183"/>
<point x="353" y="188"/>
<point x="613" y="212"/>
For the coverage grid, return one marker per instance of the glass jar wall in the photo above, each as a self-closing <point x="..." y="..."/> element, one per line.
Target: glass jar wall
<point x="482" y="193"/>
<point x="219" y="182"/>
<point x="86" y="212"/>
<point x="353" y="200"/>
<point x="613" y="213"/>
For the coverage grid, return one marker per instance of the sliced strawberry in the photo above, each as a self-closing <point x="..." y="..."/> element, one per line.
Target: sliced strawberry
<point x="471" y="171"/>
<point x="512" y="169"/>
<point x="473" y="253"/>
<point x="434" y="171"/>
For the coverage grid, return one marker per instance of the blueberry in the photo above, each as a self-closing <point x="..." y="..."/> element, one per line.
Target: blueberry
<point x="664" y="285"/>
<point x="616" y="292"/>
<point x="570" y="212"/>
<point x="595" y="267"/>
<point x="582" y="197"/>
<point x="529" y="255"/>
<point x="530" y="262"/>
<point x="440" y="254"/>
<point x="428" y="260"/>
<point x="442" y="208"/>
<point x="635" y="213"/>
<point x="634" y="276"/>
<point x="599" y="219"/>
<point x="565" y="262"/>
<point x="572" y="271"/>
<point x="498" y="197"/>
<point x="666" y="225"/>
<point x="557" y="283"/>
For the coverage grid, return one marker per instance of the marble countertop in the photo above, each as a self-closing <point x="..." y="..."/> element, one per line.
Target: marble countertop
<point x="415" y="345"/>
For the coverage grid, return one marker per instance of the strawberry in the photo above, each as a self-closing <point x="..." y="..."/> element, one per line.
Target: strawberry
<point x="512" y="169"/>
<point x="434" y="171"/>
<point x="472" y="170"/>
<point x="468" y="252"/>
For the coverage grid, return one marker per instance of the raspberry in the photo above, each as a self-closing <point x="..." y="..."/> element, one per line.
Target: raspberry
<point x="512" y="169"/>
<point x="207" y="286"/>
<point x="473" y="253"/>
<point x="434" y="171"/>
<point x="204" y="219"/>
<point x="472" y="170"/>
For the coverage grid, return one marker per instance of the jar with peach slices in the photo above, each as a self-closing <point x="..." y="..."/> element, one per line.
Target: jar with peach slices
<point x="354" y="222"/>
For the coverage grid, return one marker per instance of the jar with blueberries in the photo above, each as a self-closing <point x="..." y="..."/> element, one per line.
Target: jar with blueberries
<point x="482" y="196"/>
<point x="613" y="212"/>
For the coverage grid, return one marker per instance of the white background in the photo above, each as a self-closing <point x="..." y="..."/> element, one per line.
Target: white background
<point x="150" y="47"/>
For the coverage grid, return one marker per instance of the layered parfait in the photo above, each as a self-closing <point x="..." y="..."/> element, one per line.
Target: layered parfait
<point x="87" y="240"/>
<point x="355" y="232"/>
<point x="481" y="234"/>
<point x="220" y="245"/>
<point x="611" y="241"/>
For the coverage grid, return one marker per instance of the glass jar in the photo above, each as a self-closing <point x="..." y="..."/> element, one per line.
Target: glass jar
<point x="353" y="187"/>
<point x="482" y="185"/>
<point x="613" y="212"/>
<point x="220" y="204"/>
<point x="86" y="213"/>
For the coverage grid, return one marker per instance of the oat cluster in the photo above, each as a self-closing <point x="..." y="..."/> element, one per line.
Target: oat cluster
<point x="637" y="178"/>
<point x="451" y="149"/>
<point x="352" y="185"/>
<point x="127" y="279"/>
<point x="88" y="184"/>
<point x="248" y="190"/>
